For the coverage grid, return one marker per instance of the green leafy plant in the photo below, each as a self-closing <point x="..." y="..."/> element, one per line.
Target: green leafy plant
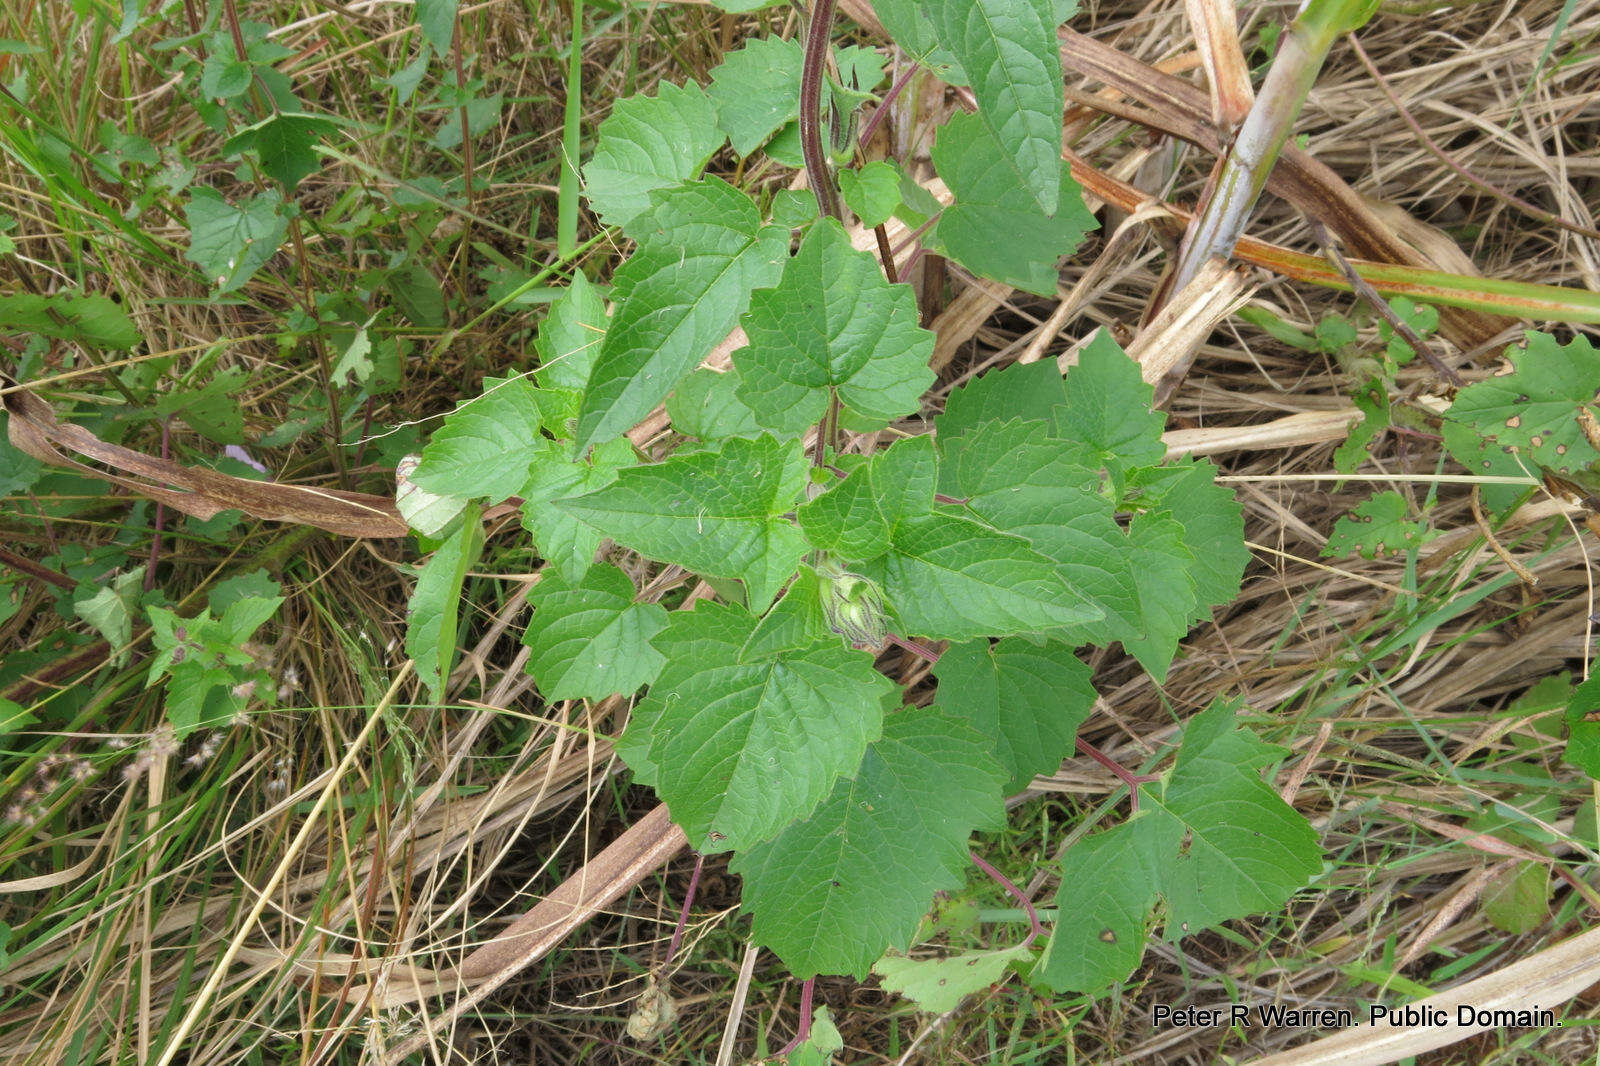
<point x="1037" y="517"/>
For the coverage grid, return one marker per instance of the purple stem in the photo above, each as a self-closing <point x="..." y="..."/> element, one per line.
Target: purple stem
<point x="882" y="110"/>
<point x="1035" y="927"/>
<point x="1128" y="777"/>
<point x="921" y="651"/>
<point x="812" y="71"/>
<point x="804" y="1030"/>
<point x="683" y="915"/>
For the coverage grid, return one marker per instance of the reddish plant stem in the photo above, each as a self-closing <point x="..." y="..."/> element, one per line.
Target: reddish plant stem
<point x="812" y="72"/>
<point x="1126" y="776"/>
<point x="683" y="914"/>
<point x="885" y="253"/>
<point x="23" y="565"/>
<point x="921" y="651"/>
<point x="1035" y="927"/>
<point x="882" y="111"/>
<point x="804" y="1029"/>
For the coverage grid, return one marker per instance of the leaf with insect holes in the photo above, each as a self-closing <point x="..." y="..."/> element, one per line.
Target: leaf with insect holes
<point x="752" y="742"/>
<point x="570" y="335"/>
<point x="702" y="249"/>
<point x="486" y="445"/>
<point x="1009" y="52"/>
<point x="432" y="612"/>
<point x="649" y="143"/>
<point x="1540" y="407"/>
<point x="591" y="640"/>
<point x="939" y="985"/>
<point x="989" y="200"/>
<point x="568" y="544"/>
<point x="720" y="512"/>
<point x="230" y="243"/>
<point x="832" y="322"/>
<point x="1213" y="840"/>
<point x="1030" y="698"/>
<point x="835" y="890"/>
<point x="1378" y="526"/>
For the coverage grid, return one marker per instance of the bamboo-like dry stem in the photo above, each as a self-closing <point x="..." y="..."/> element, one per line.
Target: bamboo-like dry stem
<point x="1249" y="160"/>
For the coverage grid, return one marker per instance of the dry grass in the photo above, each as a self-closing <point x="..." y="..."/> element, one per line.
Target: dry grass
<point x="1401" y="714"/>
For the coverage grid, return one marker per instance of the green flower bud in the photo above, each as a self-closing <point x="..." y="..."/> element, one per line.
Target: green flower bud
<point x="853" y="605"/>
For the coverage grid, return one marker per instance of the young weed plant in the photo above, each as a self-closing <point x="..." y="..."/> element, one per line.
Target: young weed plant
<point x="800" y="518"/>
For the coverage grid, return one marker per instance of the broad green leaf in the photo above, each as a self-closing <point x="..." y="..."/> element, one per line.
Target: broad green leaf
<point x="570" y="335"/>
<point x="990" y="201"/>
<point x="939" y="985"/>
<point x="1213" y="528"/>
<point x="702" y="249"/>
<point x="1030" y="392"/>
<point x="285" y="142"/>
<point x="795" y="621"/>
<point x="433" y="611"/>
<point x="819" y="1046"/>
<point x="1379" y="525"/>
<point x="706" y="405"/>
<point x="873" y="192"/>
<point x="591" y="640"/>
<point x="1011" y="57"/>
<point x="747" y="745"/>
<point x="1029" y="698"/>
<point x="648" y="143"/>
<point x="1372" y="400"/>
<point x="95" y="320"/>
<point x="1518" y="902"/>
<point x="417" y="293"/>
<point x="834" y="891"/>
<point x="428" y="513"/>
<point x="1108" y="409"/>
<point x="486" y="445"/>
<point x="1162" y="566"/>
<point x="110" y="612"/>
<point x="1582" y="720"/>
<point x="756" y="89"/>
<point x="567" y="543"/>
<point x="855" y="518"/>
<point x="910" y="25"/>
<point x="257" y="584"/>
<point x="213" y="411"/>
<point x="954" y="578"/>
<point x="230" y="243"/>
<point x="1536" y="408"/>
<point x="720" y="513"/>
<point x="223" y="76"/>
<point x="13" y="716"/>
<point x="833" y="322"/>
<point x="437" y="18"/>
<point x="1214" y="841"/>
